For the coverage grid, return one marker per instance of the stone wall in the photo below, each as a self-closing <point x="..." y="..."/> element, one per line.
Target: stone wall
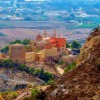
<point x="69" y="59"/>
<point x="30" y="57"/>
<point x="17" y="53"/>
<point x="51" y="52"/>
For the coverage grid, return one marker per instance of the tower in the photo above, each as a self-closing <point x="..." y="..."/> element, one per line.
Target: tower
<point x="32" y="45"/>
<point x="55" y="33"/>
<point x="45" y="34"/>
<point x="17" y="53"/>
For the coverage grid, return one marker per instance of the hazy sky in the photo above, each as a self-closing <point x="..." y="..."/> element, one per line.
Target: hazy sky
<point x="35" y="0"/>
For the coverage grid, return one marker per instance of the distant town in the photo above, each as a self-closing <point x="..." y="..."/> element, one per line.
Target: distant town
<point x="41" y="47"/>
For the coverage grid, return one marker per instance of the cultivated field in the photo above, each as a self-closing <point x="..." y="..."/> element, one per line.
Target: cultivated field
<point x="11" y="34"/>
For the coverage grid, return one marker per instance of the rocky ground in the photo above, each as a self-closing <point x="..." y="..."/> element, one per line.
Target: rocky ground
<point x="82" y="83"/>
<point x="14" y="75"/>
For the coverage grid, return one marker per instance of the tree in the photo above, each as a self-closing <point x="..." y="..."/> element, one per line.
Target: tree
<point x="26" y="42"/>
<point x="8" y="63"/>
<point x="75" y="45"/>
<point x="47" y="76"/>
<point x="5" y="49"/>
<point x="68" y="45"/>
<point x="41" y="76"/>
<point x="16" y="41"/>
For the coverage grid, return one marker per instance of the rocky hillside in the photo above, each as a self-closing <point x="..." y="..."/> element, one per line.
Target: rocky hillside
<point x="82" y="83"/>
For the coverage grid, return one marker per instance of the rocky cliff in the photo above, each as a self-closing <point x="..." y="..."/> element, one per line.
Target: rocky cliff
<point x="82" y="83"/>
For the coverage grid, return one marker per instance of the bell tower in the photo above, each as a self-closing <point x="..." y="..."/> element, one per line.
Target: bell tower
<point x="45" y="34"/>
<point x="55" y="33"/>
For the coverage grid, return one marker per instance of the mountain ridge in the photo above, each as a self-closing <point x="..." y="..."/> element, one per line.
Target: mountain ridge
<point x="82" y="83"/>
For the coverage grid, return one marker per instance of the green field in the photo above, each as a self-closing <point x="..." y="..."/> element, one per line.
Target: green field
<point x="84" y="26"/>
<point x="43" y="24"/>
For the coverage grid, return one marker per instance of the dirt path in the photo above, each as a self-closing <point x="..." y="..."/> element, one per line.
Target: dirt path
<point x="22" y="95"/>
<point x="60" y="70"/>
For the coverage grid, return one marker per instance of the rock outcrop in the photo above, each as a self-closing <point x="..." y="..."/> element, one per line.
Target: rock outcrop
<point x="82" y="83"/>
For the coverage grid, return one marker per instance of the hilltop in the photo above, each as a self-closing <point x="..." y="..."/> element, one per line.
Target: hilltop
<point x="82" y="83"/>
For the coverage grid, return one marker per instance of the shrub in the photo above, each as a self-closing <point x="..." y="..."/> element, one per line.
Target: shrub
<point x="47" y="76"/>
<point x="36" y="72"/>
<point x="14" y="95"/>
<point x="50" y="82"/>
<point x="61" y="62"/>
<point x="70" y="67"/>
<point x="8" y="63"/>
<point x="29" y="86"/>
<point x="34" y="94"/>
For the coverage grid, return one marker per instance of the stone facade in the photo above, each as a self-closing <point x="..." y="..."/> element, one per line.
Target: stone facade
<point x="51" y="52"/>
<point x="37" y="50"/>
<point x="17" y="53"/>
<point x="30" y="57"/>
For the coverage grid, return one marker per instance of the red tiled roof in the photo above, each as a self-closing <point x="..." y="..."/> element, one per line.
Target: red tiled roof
<point x="58" y="42"/>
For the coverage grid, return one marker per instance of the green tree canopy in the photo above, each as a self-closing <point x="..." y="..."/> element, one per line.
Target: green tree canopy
<point x="5" y="49"/>
<point x="75" y="45"/>
<point x="24" y="42"/>
<point x="68" y="45"/>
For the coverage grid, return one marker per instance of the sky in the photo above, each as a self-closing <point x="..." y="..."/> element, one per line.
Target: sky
<point x="35" y="0"/>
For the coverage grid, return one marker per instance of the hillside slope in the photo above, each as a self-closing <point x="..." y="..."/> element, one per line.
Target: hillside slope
<point x="83" y="83"/>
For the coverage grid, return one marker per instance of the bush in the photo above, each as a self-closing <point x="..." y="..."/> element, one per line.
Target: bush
<point x="45" y="76"/>
<point x="34" y="94"/>
<point x="61" y="62"/>
<point x="70" y="67"/>
<point x="29" y="86"/>
<point x="36" y="72"/>
<point x="14" y="95"/>
<point x="22" y="67"/>
<point x="50" y="82"/>
<point x="8" y="63"/>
